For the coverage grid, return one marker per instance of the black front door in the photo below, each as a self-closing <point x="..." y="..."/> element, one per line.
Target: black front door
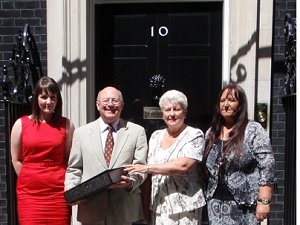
<point x="145" y="49"/>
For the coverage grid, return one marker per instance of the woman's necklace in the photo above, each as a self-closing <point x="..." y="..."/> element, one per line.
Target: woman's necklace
<point x="221" y="161"/>
<point x="175" y="134"/>
<point x="170" y="138"/>
<point x="225" y="132"/>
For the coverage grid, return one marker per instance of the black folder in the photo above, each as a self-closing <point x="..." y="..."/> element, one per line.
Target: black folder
<point x="94" y="185"/>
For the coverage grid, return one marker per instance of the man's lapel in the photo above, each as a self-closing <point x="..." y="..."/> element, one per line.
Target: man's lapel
<point x="96" y="144"/>
<point x="121" y="138"/>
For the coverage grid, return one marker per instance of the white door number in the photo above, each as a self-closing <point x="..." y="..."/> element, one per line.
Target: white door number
<point x="162" y="31"/>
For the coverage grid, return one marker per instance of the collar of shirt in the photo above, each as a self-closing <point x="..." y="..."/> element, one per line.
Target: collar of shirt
<point x="104" y="131"/>
<point x="103" y="126"/>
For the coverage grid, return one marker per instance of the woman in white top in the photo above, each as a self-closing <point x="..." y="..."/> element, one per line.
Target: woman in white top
<point x="173" y="161"/>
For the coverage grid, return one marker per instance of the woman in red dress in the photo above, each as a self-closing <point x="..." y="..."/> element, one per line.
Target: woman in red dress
<point x="40" y="146"/>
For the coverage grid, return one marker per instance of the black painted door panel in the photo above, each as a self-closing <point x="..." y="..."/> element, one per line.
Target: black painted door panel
<point x="180" y="41"/>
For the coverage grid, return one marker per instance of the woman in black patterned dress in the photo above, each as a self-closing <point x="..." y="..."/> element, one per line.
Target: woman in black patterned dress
<point x="239" y="164"/>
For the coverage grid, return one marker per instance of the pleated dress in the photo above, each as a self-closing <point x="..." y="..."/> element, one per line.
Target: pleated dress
<point x="40" y="184"/>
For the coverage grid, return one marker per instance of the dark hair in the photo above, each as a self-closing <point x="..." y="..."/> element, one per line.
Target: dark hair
<point x="236" y="136"/>
<point x="49" y="86"/>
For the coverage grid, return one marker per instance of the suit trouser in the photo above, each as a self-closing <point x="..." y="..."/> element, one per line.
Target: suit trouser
<point x="110" y="219"/>
<point x="103" y="223"/>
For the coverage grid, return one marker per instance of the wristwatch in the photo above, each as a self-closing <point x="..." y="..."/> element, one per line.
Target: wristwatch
<point x="264" y="201"/>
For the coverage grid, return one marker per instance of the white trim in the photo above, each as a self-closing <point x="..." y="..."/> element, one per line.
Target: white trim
<point x="91" y="100"/>
<point x="226" y="42"/>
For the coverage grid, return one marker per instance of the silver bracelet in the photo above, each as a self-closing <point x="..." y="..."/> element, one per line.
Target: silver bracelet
<point x="148" y="167"/>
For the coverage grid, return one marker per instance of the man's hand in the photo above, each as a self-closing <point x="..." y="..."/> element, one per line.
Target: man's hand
<point x="78" y="202"/>
<point x="126" y="182"/>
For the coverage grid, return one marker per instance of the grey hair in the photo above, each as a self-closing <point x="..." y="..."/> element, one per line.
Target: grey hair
<point x="173" y="96"/>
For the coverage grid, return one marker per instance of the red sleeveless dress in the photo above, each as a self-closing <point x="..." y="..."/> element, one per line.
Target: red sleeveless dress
<point x="40" y="184"/>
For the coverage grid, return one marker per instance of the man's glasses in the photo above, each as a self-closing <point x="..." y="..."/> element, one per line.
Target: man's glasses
<point x="106" y="101"/>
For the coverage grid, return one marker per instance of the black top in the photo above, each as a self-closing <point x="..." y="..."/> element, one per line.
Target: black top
<point x="222" y="192"/>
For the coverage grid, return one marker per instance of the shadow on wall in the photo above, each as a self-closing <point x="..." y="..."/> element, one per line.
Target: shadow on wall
<point x="74" y="71"/>
<point x="240" y="74"/>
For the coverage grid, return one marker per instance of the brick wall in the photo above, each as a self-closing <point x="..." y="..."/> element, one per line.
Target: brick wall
<point x="14" y="14"/>
<point x="281" y="8"/>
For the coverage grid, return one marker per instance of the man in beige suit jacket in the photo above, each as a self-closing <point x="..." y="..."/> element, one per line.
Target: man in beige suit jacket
<point x="121" y="203"/>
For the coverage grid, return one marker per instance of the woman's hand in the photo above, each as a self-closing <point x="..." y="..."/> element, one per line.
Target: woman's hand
<point x="174" y="167"/>
<point x="262" y="211"/>
<point x="132" y="168"/>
